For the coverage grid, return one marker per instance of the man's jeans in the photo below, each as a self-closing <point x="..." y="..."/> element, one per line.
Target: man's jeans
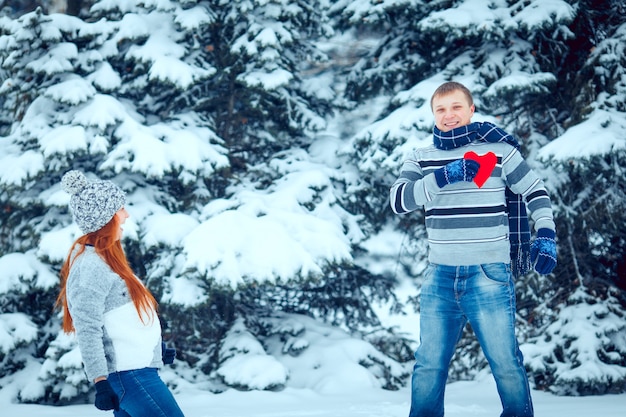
<point x="451" y="296"/>
<point x="143" y="393"/>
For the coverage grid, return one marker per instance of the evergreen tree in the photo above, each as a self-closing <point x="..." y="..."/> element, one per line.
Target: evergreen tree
<point x="198" y="110"/>
<point x="42" y="96"/>
<point x="531" y="71"/>
<point x="587" y="294"/>
<point x="257" y="141"/>
<point x="78" y="115"/>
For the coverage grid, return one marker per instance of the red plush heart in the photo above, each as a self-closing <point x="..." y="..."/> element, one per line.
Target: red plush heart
<point x="487" y="163"/>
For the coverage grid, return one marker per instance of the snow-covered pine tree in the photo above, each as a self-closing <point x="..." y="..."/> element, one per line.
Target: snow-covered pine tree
<point x="239" y="208"/>
<point x="523" y="62"/>
<point x="68" y="114"/>
<point x="45" y="99"/>
<point x="260" y="103"/>
<point x="582" y="350"/>
<point x="390" y="60"/>
<point x="139" y="100"/>
<point x="269" y="116"/>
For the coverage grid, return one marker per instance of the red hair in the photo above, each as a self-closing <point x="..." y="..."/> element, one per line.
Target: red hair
<point x="109" y="248"/>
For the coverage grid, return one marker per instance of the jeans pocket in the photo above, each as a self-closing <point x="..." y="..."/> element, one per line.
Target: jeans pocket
<point x="497" y="272"/>
<point x="428" y="271"/>
<point x="118" y="386"/>
<point x="428" y="276"/>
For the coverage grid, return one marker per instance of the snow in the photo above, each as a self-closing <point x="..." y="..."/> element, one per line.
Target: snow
<point x="255" y="371"/>
<point x="254" y="368"/>
<point x="184" y="292"/>
<point x="264" y="235"/>
<point x="121" y="5"/>
<point x="20" y="270"/>
<point x="193" y="17"/>
<point x="161" y="48"/>
<point x="263" y="243"/>
<point x="592" y="325"/>
<point x="63" y="139"/>
<point x="466" y="399"/>
<point x="267" y="37"/>
<point x="17" y="167"/>
<point x="57" y="60"/>
<point x="105" y="77"/>
<point x="174" y="70"/>
<point x="167" y="228"/>
<point x="54" y="244"/>
<point x="321" y="372"/>
<point x="74" y="90"/>
<point x="292" y="228"/>
<point x="268" y="80"/>
<point x="131" y="26"/>
<point x="520" y="80"/>
<point x="101" y="111"/>
<point x="326" y="359"/>
<point x="15" y="328"/>
<point x="541" y="12"/>
<point x="468" y="13"/>
<point x="600" y="134"/>
<point x="485" y="15"/>
<point x="161" y="148"/>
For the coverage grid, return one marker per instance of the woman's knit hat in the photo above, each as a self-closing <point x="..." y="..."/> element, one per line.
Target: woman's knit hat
<point x="93" y="204"/>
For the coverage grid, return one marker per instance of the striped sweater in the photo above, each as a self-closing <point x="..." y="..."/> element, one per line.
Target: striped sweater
<point x="468" y="225"/>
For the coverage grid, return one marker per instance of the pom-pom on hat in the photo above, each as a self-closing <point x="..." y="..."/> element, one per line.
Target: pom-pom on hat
<point x="93" y="203"/>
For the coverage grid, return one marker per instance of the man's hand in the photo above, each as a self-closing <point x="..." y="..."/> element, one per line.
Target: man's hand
<point x="459" y="170"/>
<point x="543" y="251"/>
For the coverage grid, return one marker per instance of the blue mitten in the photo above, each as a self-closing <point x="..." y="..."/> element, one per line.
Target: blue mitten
<point x="459" y="170"/>
<point x="106" y="398"/>
<point x="167" y="354"/>
<point x="543" y="251"/>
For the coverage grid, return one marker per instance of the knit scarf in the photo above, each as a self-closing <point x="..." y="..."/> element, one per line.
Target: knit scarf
<point x="519" y="229"/>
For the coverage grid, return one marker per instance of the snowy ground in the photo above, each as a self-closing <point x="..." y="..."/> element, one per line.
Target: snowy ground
<point x="348" y="399"/>
<point x="468" y="399"/>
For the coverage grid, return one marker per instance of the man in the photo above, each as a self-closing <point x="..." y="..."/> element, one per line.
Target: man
<point x="472" y="183"/>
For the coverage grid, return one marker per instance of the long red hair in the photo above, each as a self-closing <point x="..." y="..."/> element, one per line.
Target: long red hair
<point x="108" y="245"/>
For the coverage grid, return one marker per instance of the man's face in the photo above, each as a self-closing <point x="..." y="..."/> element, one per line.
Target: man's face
<point x="452" y="110"/>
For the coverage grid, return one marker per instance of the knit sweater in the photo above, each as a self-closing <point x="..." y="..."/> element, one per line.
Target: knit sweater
<point x="111" y="336"/>
<point x="468" y="225"/>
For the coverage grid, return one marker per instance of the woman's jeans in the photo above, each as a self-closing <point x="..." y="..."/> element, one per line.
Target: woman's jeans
<point x="142" y="393"/>
<point x="451" y="296"/>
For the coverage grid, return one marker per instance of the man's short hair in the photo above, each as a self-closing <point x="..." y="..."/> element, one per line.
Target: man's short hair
<point x="449" y="87"/>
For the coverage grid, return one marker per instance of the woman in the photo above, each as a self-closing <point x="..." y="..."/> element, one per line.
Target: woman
<point x="112" y="313"/>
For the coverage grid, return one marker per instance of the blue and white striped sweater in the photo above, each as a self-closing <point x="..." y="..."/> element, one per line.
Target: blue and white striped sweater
<point x="467" y="225"/>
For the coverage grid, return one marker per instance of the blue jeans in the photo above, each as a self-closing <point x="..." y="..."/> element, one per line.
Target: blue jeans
<point x="451" y="296"/>
<point x="143" y="393"/>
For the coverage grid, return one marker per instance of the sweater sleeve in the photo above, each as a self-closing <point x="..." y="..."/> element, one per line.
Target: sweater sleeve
<point x="88" y="286"/>
<point x="412" y="189"/>
<point x="523" y="180"/>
